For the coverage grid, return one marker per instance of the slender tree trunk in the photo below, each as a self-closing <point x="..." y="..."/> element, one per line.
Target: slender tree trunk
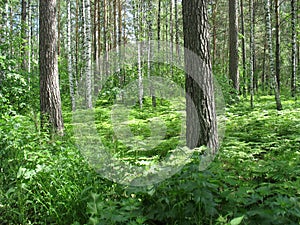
<point x="87" y="55"/>
<point x="271" y="59"/>
<point x="277" y="37"/>
<point x="214" y="31"/>
<point x="264" y="80"/>
<point x="176" y="29"/>
<point x="201" y="114"/>
<point x="294" y="48"/>
<point x="24" y="35"/>
<point x="233" y="44"/>
<point x="50" y="101"/>
<point x="251" y="53"/>
<point x="171" y="37"/>
<point x="58" y="27"/>
<point x="69" y="50"/>
<point x="77" y="41"/>
<point x="243" y="48"/>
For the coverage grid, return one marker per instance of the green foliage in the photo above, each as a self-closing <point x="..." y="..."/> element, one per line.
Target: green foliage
<point x="253" y="180"/>
<point x="14" y="90"/>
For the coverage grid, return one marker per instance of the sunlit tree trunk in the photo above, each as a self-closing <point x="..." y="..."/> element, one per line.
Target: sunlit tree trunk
<point x="50" y="101"/>
<point x="176" y="29"/>
<point x="271" y="59"/>
<point x="87" y="54"/>
<point x="201" y="119"/>
<point x="69" y="52"/>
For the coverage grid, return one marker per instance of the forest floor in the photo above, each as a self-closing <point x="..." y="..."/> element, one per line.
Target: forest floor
<point x="255" y="178"/>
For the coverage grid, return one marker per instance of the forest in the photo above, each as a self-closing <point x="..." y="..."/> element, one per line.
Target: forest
<point x="150" y="112"/>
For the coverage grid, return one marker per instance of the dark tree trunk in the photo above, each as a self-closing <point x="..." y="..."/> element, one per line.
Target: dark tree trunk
<point x="201" y="115"/>
<point x="277" y="48"/>
<point x="50" y="102"/>
<point x="233" y="44"/>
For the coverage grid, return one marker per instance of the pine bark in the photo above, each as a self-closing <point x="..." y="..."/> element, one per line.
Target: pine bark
<point x="50" y="102"/>
<point x="201" y="122"/>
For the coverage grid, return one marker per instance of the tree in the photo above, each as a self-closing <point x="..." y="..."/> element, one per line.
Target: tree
<point x="87" y="54"/>
<point x="271" y="59"/>
<point x="294" y="48"/>
<point x="69" y="51"/>
<point x="277" y="37"/>
<point x="50" y="102"/>
<point x="251" y="53"/>
<point x="233" y="44"/>
<point x="243" y="47"/>
<point x="200" y="110"/>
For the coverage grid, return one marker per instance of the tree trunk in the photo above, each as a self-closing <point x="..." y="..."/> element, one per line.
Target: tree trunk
<point x="70" y="72"/>
<point x="24" y="35"/>
<point x="277" y="49"/>
<point x="271" y="59"/>
<point x="294" y="48"/>
<point x="87" y="52"/>
<point x="243" y="48"/>
<point x="251" y="54"/>
<point x="200" y="110"/>
<point x="233" y="44"/>
<point x="50" y="101"/>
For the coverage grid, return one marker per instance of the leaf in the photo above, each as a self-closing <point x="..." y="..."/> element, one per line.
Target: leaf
<point x="236" y="221"/>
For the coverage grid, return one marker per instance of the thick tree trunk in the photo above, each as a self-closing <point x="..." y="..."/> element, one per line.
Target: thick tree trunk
<point x="233" y="45"/>
<point x="200" y="111"/>
<point x="50" y="101"/>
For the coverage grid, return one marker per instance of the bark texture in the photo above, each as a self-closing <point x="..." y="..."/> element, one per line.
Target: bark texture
<point x="50" y="102"/>
<point x="201" y="115"/>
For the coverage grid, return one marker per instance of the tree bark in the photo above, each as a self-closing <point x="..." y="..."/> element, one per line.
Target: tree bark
<point x="251" y="54"/>
<point x="87" y="54"/>
<point x="200" y="110"/>
<point x="294" y="48"/>
<point x="69" y="50"/>
<point x="277" y="49"/>
<point x="233" y="44"/>
<point x="271" y="59"/>
<point x="50" y="101"/>
<point x="243" y="48"/>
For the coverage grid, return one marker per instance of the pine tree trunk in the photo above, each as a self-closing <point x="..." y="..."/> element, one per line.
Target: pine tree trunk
<point x="200" y="111"/>
<point x="271" y="59"/>
<point x="233" y="44"/>
<point x="50" y="101"/>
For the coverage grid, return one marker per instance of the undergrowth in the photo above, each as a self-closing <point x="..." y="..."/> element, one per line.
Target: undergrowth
<point x="253" y="180"/>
